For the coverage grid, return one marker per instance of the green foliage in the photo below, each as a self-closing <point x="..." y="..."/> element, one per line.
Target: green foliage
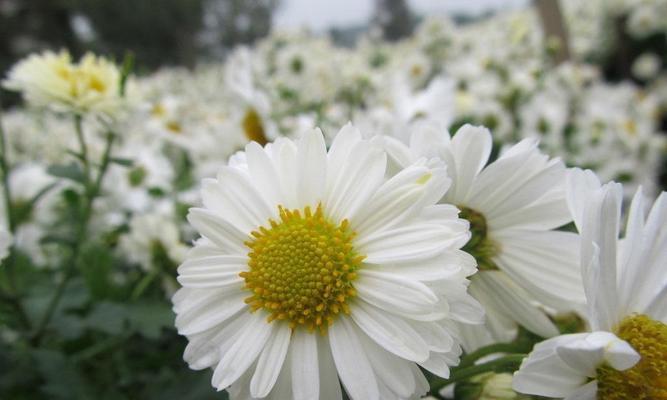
<point x="83" y="323"/>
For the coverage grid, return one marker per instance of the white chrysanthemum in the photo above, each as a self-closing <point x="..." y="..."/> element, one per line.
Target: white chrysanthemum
<point x="625" y="355"/>
<point x="314" y="267"/>
<point x="52" y="80"/>
<point x="513" y="205"/>
<point x="151" y="234"/>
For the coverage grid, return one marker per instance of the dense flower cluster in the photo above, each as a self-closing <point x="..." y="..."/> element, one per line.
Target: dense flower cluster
<point x="445" y="225"/>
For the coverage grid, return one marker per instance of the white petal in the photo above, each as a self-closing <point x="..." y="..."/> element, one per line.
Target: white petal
<point x="642" y="281"/>
<point x="417" y="241"/>
<point x="438" y="364"/>
<point x="580" y="184"/>
<point x="543" y="373"/>
<point x="544" y="263"/>
<point x="657" y="308"/>
<point x="305" y="370"/>
<point x="219" y="231"/>
<point x="600" y="231"/>
<point x="210" y="311"/>
<point x="446" y="265"/>
<point x="392" y="202"/>
<point x="466" y="309"/>
<point x="270" y="361"/>
<point x="312" y="163"/>
<point x="235" y="198"/>
<point x="398" y="152"/>
<point x="351" y="183"/>
<point x="283" y="388"/>
<point x="514" y="182"/>
<point x="550" y="211"/>
<point x="470" y="148"/>
<point x="264" y="174"/>
<point x="353" y="366"/>
<point x="242" y="353"/>
<point x="329" y="384"/>
<point x="216" y="271"/>
<point x="394" y="372"/>
<point x="582" y="356"/>
<point x="284" y="157"/>
<point x="587" y="392"/>
<point x="391" y="332"/>
<point x="513" y="302"/>
<point x="619" y="354"/>
<point x="435" y="335"/>
<point x="203" y="349"/>
<point x="395" y="293"/>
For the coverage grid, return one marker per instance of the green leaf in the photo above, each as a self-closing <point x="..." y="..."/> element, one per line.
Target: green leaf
<point x="62" y="379"/>
<point x="96" y="265"/>
<point x="56" y="239"/>
<point x="191" y="385"/>
<point x="467" y="391"/>
<point x="68" y="326"/>
<point x="75" y="154"/>
<point x="128" y="65"/>
<point x="107" y="317"/>
<point x="150" y="318"/>
<point x="126" y="162"/>
<point x="137" y="175"/>
<point x="71" y="171"/>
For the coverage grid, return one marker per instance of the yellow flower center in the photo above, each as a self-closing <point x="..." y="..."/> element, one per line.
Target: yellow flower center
<point x="301" y="269"/>
<point x="480" y="245"/>
<point x="647" y="380"/>
<point x="253" y="128"/>
<point x="97" y="84"/>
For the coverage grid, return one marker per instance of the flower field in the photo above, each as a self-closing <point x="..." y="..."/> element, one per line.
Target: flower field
<point x="464" y="213"/>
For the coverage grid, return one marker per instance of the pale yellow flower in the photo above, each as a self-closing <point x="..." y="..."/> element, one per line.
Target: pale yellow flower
<point x="52" y="80"/>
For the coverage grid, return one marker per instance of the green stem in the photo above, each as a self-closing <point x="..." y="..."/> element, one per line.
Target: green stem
<point x="461" y="374"/>
<point x="91" y="192"/>
<point x="5" y="169"/>
<point x="469" y="359"/>
<point x="100" y="347"/>
<point x="83" y="147"/>
<point x="143" y="284"/>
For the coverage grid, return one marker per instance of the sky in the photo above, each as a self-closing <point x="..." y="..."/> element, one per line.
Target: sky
<point x="320" y="15"/>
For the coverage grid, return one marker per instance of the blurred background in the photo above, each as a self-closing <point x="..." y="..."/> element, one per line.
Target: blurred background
<point x="588" y="78"/>
<point x="614" y="36"/>
<point x="181" y="32"/>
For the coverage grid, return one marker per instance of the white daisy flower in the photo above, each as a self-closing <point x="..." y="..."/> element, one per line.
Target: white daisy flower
<point x="313" y="267"/>
<point x="625" y="355"/>
<point x="513" y="205"/>
<point x="152" y="234"/>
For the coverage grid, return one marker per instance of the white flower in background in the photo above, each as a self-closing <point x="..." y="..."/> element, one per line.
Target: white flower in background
<point x="26" y="138"/>
<point x="252" y="107"/>
<point x="625" y="355"/>
<point x="52" y="80"/>
<point x="514" y="205"/>
<point x="313" y="267"/>
<point x="140" y="187"/>
<point x="152" y="236"/>
<point x="646" y="66"/>
<point x="647" y="18"/>
<point x="26" y="182"/>
<point x="405" y="108"/>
